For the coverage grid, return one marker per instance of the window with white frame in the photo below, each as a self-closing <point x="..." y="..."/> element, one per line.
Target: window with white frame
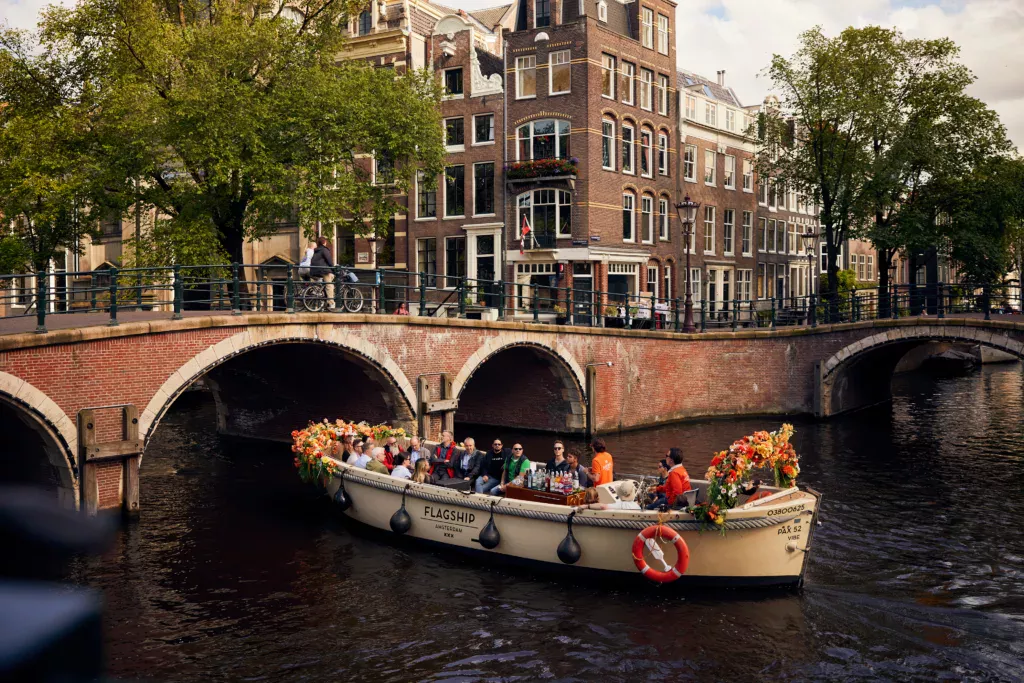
<point x="526" y="77"/>
<point x="608" y="144"/>
<point x="453" y="83"/>
<point x="543" y="139"/>
<point x="426" y="260"/>
<point x="792" y="238"/>
<point x="646" y="153"/>
<point x="663" y="220"/>
<point x="730" y="119"/>
<point x="647" y="27"/>
<point x="743" y="282"/>
<point x="668" y="293"/>
<point x="691" y="107"/>
<point x="771" y="236"/>
<point x="690" y="163"/>
<point x="652" y="280"/>
<point x="628" y="149"/>
<point x="646" y="83"/>
<point x="647" y="219"/>
<point x="762" y="193"/>
<point x="663" y="153"/>
<point x="455" y="191"/>
<point x="709" y="230"/>
<point x="426" y="198"/>
<point x="628" y="217"/>
<point x="728" y="231"/>
<point x="483" y="129"/>
<point x="871" y="267"/>
<point x="729" y="180"/>
<point x="626" y="82"/>
<point x="711" y="113"/>
<point x="559" y="76"/>
<point x="608" y="76"/>
<point x="454" y="133"/>
<point x="541" y="13"/>
<point x="663" y="34"/>
<point x="663" y="89"/>
<point x="762" y="271"/>
<point x="861" y="263"/>
<point x="602" y="11"/>
<point x="748" y="229"/>
<point x="549" y="213"/>
<point x="709" y="166"/>
<point x="454" y="260"/>
<point x="483" y="188"/>
<point x="762" y="243"/>
<point x="533" y="286"/>
<point x="748" y="175"/>
<point x="772" y="195"/>
<point x="696" y="291"/>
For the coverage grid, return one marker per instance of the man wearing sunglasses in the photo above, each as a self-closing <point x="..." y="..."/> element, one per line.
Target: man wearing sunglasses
<point x="515" y="466"/>
<point x="558" y="464"/>
<point x="491" y="467"/>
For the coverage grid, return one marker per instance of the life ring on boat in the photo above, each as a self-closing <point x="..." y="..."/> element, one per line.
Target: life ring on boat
<point x="647" y="538"/>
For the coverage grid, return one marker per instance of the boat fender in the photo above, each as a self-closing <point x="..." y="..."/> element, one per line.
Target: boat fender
<point x="646" y="539"/>
<point x="569" y="550"/>
<point x="401" y="522"/>
<point x="489" y="536"/>
<point x="341" y="496"/>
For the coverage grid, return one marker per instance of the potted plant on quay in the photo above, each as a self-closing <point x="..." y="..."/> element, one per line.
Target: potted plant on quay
<point x="560" y="314"/>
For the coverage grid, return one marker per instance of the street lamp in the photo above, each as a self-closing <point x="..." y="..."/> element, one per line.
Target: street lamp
<point x="687" y="211"/>
<point x="809" y="238"/>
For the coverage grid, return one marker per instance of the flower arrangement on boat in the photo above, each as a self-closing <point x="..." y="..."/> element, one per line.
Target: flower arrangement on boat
<point x="730" y="473"/>
<point x="314" y="445"/>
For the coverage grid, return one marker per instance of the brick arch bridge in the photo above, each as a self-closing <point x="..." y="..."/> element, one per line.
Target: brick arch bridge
<point x="270" y="373"/>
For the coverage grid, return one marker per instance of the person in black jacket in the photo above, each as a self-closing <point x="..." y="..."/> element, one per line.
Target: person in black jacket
<point x="320" y="267"/>
<point x="558" y="463"/>
<point x="491" y="465"/>
<point x="466" y="466"/>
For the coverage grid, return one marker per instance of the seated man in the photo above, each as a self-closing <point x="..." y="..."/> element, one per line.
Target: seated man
<point x="491" y="465"/>
<point x="467" y="465"/>
<point x="626" y="491"/>
<point x="573" y="458"/>
<point x="376" y="463"/>
<point x="400" y="471"/>
<point x="364" y="458"/>
<point x="416" y="451"/>
<point x="558" y="463"/>
<point x="514" y="467"/>
<point x="440" y="464"/>
<point x="678" y="480"/>
<point x="658" y="498"/>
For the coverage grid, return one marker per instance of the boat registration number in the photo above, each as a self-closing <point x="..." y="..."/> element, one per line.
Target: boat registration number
<point x="794" y="529"/>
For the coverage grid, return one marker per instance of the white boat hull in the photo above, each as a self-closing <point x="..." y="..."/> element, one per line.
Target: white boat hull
<point x="763" y="545"/>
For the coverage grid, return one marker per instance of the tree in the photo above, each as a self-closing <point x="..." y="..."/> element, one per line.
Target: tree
<point x="237" y="115"/>
<point x="865" y="120"/>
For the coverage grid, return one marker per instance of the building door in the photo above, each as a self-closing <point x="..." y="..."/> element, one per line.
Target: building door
<point x="582" y="294"/>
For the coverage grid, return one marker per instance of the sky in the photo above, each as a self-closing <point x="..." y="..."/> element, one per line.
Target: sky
<point x="741" y="36"/>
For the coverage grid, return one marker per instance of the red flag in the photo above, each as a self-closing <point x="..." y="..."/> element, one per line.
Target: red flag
<point x="524" y="231"/>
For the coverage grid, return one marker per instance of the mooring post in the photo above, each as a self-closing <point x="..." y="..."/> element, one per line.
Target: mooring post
<point x="129" y="433"/>
<point x="591" y="400"/>
<point x="88" y="487"/>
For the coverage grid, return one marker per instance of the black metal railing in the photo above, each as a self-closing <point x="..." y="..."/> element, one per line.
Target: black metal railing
<point x="539" y="298"/>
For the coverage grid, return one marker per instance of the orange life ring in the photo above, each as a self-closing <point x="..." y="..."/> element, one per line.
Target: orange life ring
<point x="682" y="552"/>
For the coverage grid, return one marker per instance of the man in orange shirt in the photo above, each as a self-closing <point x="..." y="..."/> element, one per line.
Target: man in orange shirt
<point x="601" y="467"/>
<point x="678" y="481"/>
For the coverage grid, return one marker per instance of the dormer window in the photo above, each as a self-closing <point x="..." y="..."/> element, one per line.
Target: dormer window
<point x="542" y="13"/>
<point x="602" y="11"/>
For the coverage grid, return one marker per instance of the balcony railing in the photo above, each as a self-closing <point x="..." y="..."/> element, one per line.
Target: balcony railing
<point x="538" y="169"/>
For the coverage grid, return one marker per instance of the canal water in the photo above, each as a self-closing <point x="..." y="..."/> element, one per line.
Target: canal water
<point x="236" y="573"/>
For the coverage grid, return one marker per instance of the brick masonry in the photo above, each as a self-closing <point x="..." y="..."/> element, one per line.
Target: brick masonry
<point x="656" y="376"/>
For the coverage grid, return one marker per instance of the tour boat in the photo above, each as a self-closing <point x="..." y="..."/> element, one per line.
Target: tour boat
<point x="763" y="542"/>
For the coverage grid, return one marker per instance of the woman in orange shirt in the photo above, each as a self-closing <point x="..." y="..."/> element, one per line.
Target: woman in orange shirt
<point x="601" y="467"/>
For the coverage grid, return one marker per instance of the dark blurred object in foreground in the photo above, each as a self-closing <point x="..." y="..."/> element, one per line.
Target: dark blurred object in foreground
<point x="48" y="632"/>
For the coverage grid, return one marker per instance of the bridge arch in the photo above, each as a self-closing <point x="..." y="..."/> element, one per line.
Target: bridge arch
<point x="561" y="379"/>
<point x="859" y="374"/>
<point x="400" y="395"/>
<point x="57" y="433"/>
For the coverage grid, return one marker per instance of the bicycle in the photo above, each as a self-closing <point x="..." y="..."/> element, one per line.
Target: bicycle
<point x="314" y="294"/>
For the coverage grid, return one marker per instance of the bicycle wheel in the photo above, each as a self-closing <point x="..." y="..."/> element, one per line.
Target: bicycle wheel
<point x="353" y="299"/>
<point x="313" y="298"/>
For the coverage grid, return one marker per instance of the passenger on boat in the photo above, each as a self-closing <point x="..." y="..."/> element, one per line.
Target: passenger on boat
<point x="467" y="465"/>
<point x="363" y="458"/>
<point x="421" y="473"/>
<point x="591" y="496"/>
<point x="440" y="465"/>
<point x="573" y="458"/>
<point x="514" y="466"/>
<point x="657" y="498"/>
<point x="678" y="480"/>
<point x="376" y="464"/>
<point x="401" y="471"/>
<point x="626" y="491"/>
<point x="601" y="468"/>
<point x="415" y="450"/>
<point x="558" y="463"/>
<point x="491" y="466"/>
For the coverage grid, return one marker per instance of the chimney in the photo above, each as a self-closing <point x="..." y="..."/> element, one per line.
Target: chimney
<point x="721" y="78"/>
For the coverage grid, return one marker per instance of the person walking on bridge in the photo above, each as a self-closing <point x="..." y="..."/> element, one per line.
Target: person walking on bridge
<point x="320" y="266"/>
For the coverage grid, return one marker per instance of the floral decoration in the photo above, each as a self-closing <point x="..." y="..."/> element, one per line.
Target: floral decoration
<point x="541" y="168"/>
<point x="315" y="445"/>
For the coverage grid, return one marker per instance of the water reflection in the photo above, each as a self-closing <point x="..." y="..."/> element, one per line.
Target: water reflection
<point x="236" y="572"/>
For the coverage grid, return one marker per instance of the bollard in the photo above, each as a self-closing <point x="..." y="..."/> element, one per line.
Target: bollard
<point x="423" y="294"/>
<point x="773" y="313"/>
<point x="814" y="311"/>
<point x="177" y="292"/>
<point x="290" y="292"/>
<point x="675" y="313"/>
<point x="735" y="313"/>
<point x="703" y="315"/>
<point x="625" y="307"/>
<point x="113" y="297"/>
<point x="501" y="299"/>
<point x="236" y="307"/>
<point x="41" y="302"/>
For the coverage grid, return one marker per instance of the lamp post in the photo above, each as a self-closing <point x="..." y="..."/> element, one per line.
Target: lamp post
<point x="809" y="238"/>
<point x="687" y="211"/>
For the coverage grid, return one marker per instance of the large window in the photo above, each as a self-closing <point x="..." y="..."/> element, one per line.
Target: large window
<point x="559" y="75"/>
<point x="628" y="217"/>
<point x="454" y="132"/>
<point x="549" y="213"/>
<point x="628" y="149"/>
<point x="662" y="153"/>
<point x="730" y="172"/>
<point x="690" y="163"/>
<point x="748" y="175"/>
<point x="526" y="76"/>
<point x="426" y="260"/>
<point x="483" y="188"/>
<point x="647" y="27"/>
<point x="626" y="82"/>
<point x="730" y="119"/>
<point x="691" y="107"/>
<point x="454" y="260"/>
<point x="608" y="145"/>
<point x="771" y="236"/>
<point x="652" y="280"/>
<point x="762" y="193"/>
<point x="608" y="76"/>
<point x="647" y="219"/>
<point x="365" y="22"/>
<point x="792" y="238"/>
<point x="663" y="233"/>
<point x="728" y="231"/>
<point x="453" y="82"/>
<point x="762" y="245"/>
<point x="709" y="230"/>
<point x="646" y="84"/>
<point x="711" y="113"/>
<point x="748" y="228"/>
<point x="663" y="94"/>
<point x="871" y="267"/>
<point x="709" y="166"/>
<point x="426" y="199"/>
<point x="543" y="139"/>
<point x="646" y="153"/>
<point x="542" y="13"/>
<point x="743" y="278"/>
<point x="663" y="34"/>
<point x="483" y="129"/>
<point x="455" y="191"/>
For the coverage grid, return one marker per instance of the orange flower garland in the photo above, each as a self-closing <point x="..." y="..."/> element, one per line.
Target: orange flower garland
<point x="314" y="445"/>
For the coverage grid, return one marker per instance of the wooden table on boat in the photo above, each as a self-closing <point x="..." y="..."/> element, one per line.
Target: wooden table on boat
<point x="552" y="497"/>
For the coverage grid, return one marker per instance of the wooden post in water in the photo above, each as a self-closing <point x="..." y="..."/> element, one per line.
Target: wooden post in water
<point x="591" y="401"/>
<point x="89" y="488"/>
<point x="448" y="416"/>
<point x="126" y="452"/>
<point x="422" y="398"/>
<point x="130" y="433"/>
